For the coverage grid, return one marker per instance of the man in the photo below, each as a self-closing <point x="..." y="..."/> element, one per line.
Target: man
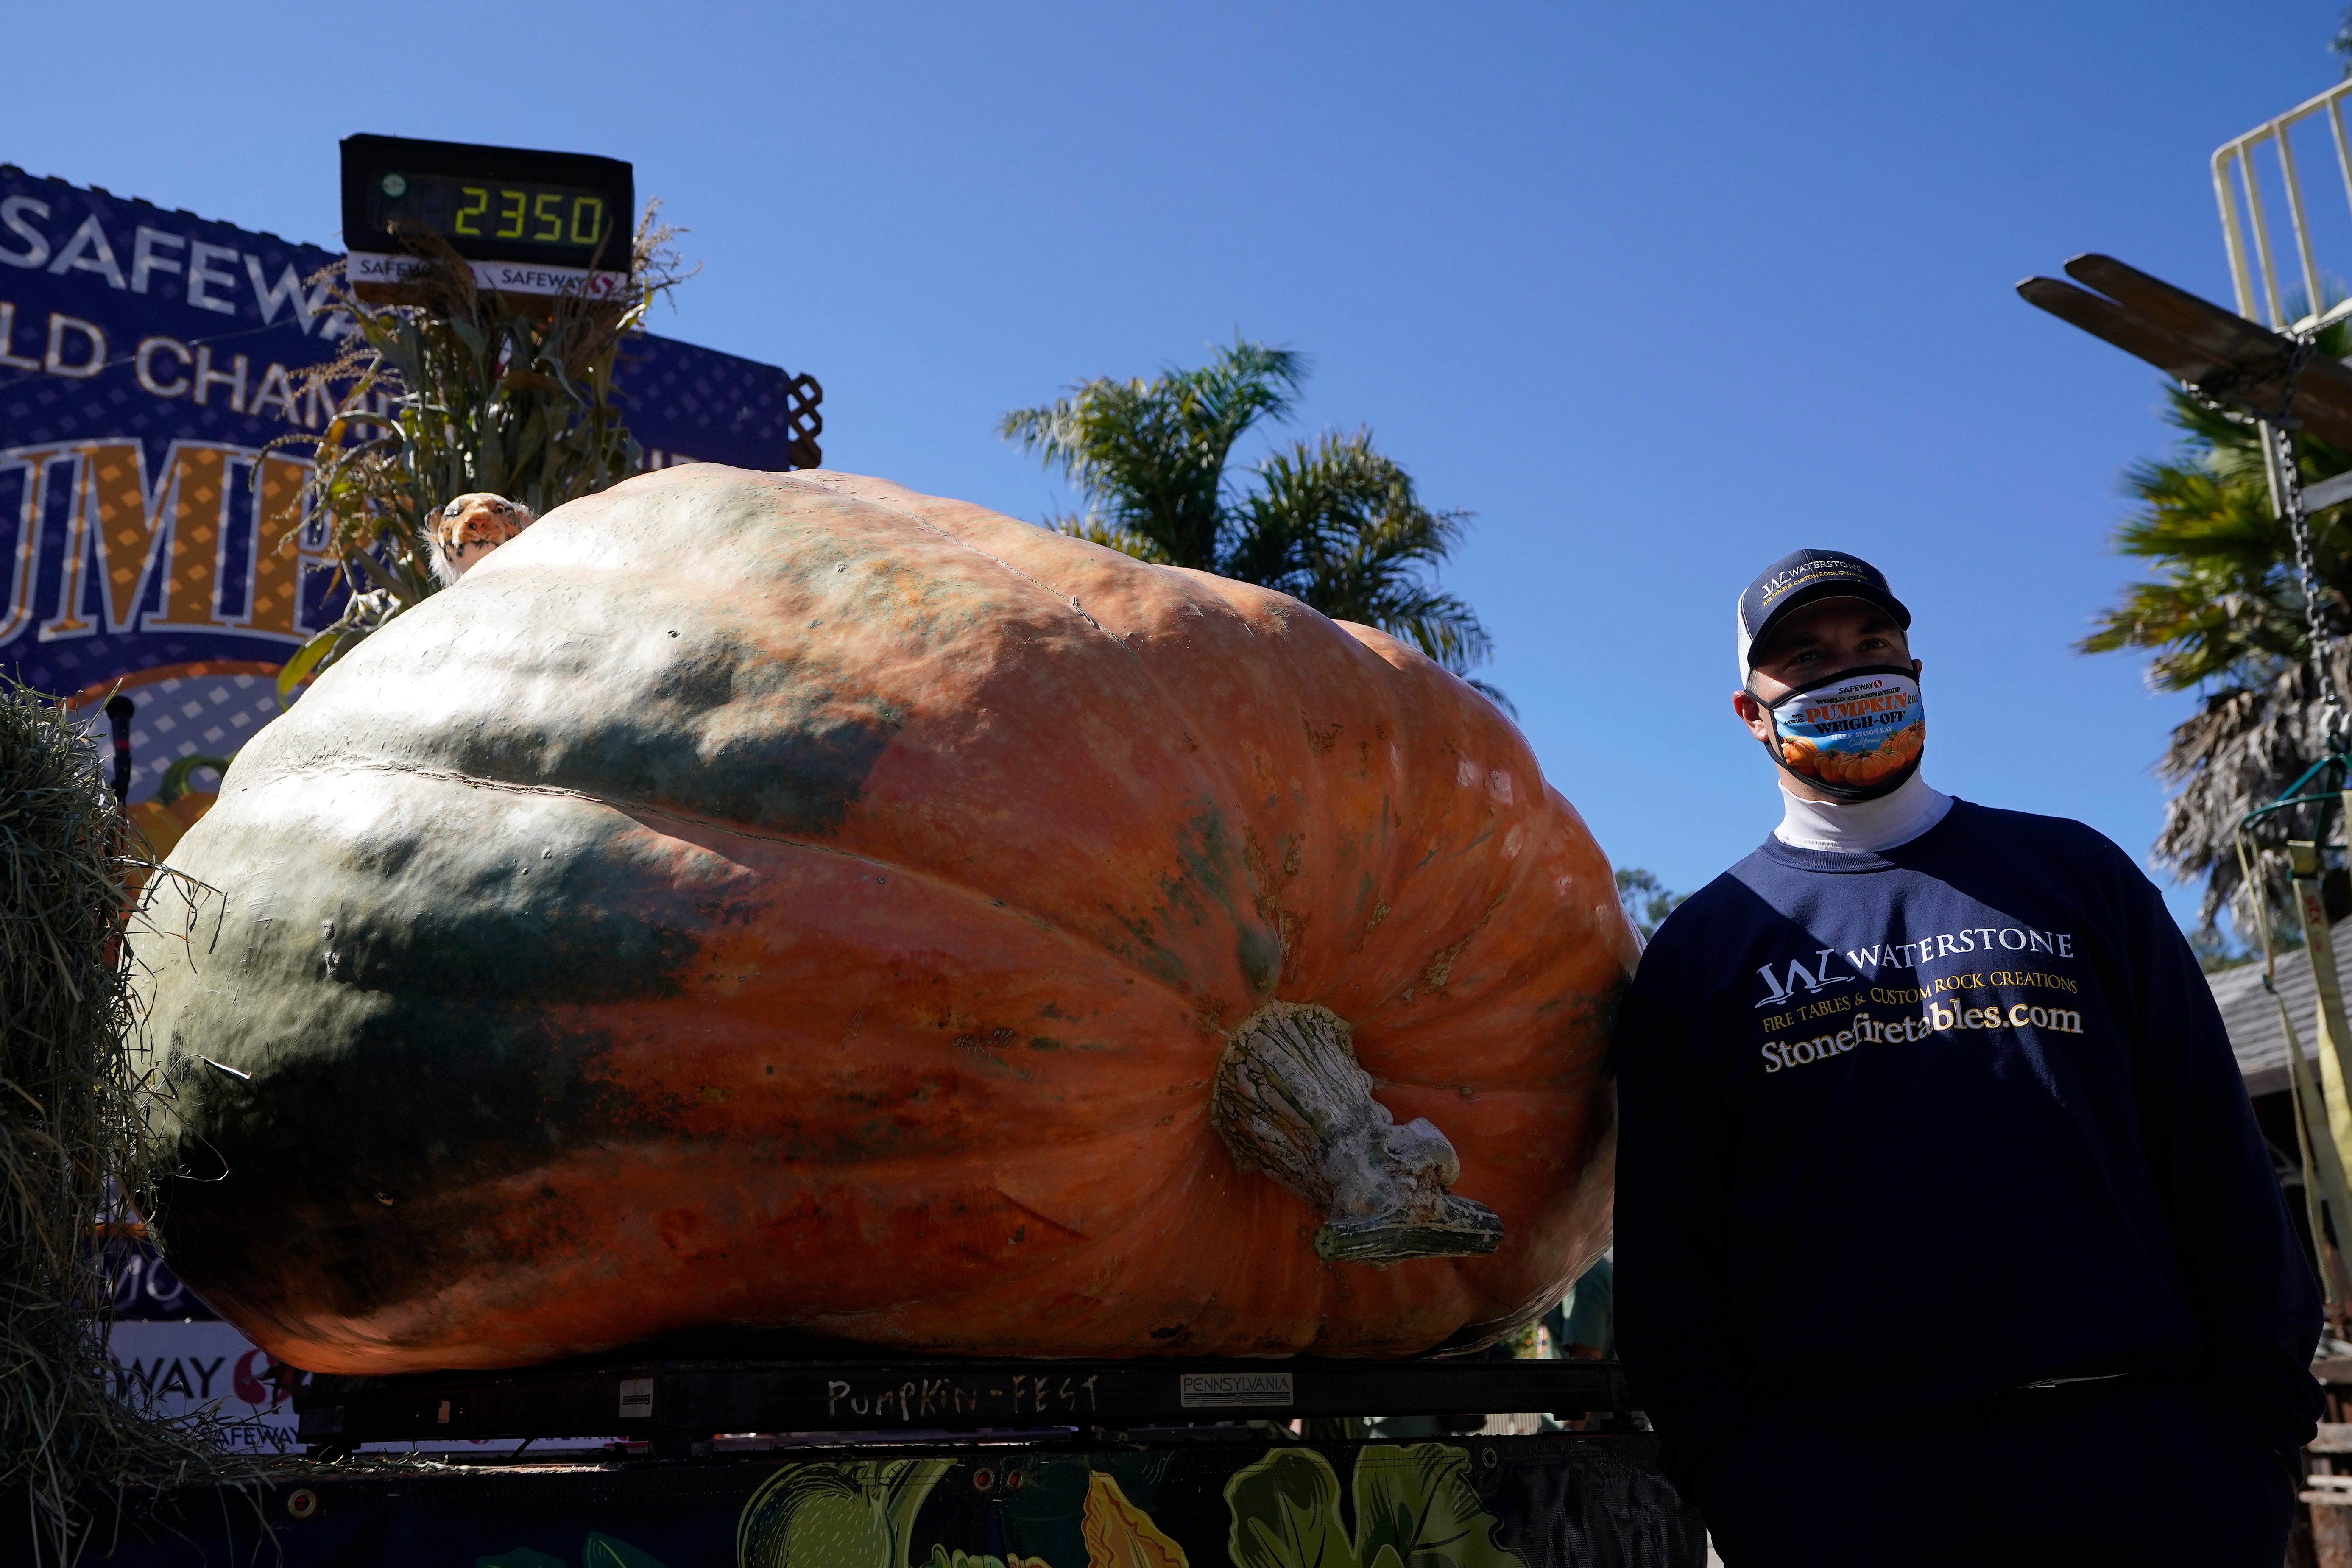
<point x="1583" y="1326"/>
<point x="1944" y="1229"/>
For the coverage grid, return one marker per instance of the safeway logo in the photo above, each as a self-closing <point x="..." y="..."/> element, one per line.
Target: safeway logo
<point x="1781" y="988"/>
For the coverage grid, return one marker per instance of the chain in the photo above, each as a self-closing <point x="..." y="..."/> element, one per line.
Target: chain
<point x="2308" y="579"/>
<point x="2278" y="428"/>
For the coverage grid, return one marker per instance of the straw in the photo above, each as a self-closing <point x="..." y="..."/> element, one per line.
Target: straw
<point x="75" y="1154"/>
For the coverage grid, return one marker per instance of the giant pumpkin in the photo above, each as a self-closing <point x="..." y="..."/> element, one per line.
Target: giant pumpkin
<point x="789" y="901"/>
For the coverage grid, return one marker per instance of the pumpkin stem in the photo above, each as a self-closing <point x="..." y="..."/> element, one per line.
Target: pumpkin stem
<point x="1291" y="1100"/>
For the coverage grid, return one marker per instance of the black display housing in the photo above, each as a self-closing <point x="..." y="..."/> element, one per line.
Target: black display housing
<point x="575" y="209"/>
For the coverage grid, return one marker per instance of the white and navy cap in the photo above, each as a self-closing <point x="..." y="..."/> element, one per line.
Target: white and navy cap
<point x="1806" y="577"/>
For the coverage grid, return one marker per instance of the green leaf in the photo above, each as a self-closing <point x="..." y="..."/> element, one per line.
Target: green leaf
<point x="829" y="1515"/>
<point x="175" y="777"/>
<point x="601" y="1551"/>
<point x="813" y="1514"/>
<point x="1415" y="1509"/>
<point x="476" y="345"/>
<point x="905" y="1484"/>
<point x="305" y="660"/>
<point x="1286" y="1514"/>
<point x="943" y="1558"/>
<point x="376" y="572"/>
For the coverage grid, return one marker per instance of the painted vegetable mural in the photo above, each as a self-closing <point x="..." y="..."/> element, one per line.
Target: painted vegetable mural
<point x="788" y="900"/>
<point x="178" y="805"/>
<point x="1413" y="1507"/>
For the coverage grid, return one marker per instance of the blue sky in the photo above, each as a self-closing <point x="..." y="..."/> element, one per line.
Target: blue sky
<point x="1659" y="292"/>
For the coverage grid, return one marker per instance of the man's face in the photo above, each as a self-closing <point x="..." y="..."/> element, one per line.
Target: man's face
<point x="1817" y="642"/>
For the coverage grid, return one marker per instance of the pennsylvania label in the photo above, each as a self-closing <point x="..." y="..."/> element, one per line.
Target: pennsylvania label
<point x="1226" y="1390"/>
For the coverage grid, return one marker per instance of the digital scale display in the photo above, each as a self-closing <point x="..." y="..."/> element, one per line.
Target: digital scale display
<point x="459" y="209"/>
<point x="561" y="211"/>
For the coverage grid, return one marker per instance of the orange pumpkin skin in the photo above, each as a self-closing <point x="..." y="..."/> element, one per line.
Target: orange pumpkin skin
<point x="160" y="825"/>
<point x="789" y="901"/>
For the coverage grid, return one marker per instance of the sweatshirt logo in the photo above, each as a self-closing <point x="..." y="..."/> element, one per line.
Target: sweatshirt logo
<point x="1935" y="1018"/>
<point x="1780" y="987"/>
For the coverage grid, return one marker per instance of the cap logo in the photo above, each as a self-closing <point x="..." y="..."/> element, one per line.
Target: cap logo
<point x="1780" y="583"/>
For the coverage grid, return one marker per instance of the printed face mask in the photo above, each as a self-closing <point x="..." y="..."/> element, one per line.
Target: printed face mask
<point x="1855" y="736"/>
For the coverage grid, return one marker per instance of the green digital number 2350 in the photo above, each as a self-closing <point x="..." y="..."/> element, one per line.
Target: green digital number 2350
<point x="464" y="222"/>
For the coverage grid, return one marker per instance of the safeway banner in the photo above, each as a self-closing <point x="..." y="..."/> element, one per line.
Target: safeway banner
<point x="148" y="360"/>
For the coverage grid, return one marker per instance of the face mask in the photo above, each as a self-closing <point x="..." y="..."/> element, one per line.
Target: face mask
<point x="1854" y="736"/>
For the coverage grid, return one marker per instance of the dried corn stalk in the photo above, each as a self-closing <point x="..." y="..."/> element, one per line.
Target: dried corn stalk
<point x="463" y="390"/>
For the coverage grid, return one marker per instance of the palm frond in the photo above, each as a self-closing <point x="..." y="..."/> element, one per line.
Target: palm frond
<point x="1494" y="694"/>
<point x="1337" y="524"/>
<point x="2223" y="610"/>
<point x="2227" y="591"/>
<point x="1096" y="530"/>
<point x="1149" y="457"/>
<point x="2243" y="746"/>
<point x="1332" y="521"/>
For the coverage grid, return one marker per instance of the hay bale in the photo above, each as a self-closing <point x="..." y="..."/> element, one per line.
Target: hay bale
<point x="73" y="1138"/>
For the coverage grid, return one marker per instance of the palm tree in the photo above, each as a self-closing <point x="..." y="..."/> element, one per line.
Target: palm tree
<point x="2224" y="615"/>
<point x="1646" y="900"/>
<point x="1331" y="521"/>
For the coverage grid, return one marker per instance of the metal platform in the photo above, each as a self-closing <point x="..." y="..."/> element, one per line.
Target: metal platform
<point x="670" y="1396"/>
<point x="2225" y="356"/>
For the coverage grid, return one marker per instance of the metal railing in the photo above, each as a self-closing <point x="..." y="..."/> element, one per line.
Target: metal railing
<point x="2234" y="173"/>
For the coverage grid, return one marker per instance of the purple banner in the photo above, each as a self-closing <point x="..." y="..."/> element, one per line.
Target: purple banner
<point x="148" y="359"/>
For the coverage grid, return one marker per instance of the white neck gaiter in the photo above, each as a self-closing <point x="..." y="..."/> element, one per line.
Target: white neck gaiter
<point x="1862" y="826"/>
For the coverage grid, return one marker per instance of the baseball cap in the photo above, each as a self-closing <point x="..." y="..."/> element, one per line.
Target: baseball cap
<point x="1805" y="577"/>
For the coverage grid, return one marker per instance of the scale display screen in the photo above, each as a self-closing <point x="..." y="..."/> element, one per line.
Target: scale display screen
<point x="491" y="204"/>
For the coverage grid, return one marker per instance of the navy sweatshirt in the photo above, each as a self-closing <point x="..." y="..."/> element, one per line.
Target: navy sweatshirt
<point x="1903" y="1130"/>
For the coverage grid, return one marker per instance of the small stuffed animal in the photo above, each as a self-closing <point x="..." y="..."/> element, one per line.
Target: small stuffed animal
<point x="460" y="533"/>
